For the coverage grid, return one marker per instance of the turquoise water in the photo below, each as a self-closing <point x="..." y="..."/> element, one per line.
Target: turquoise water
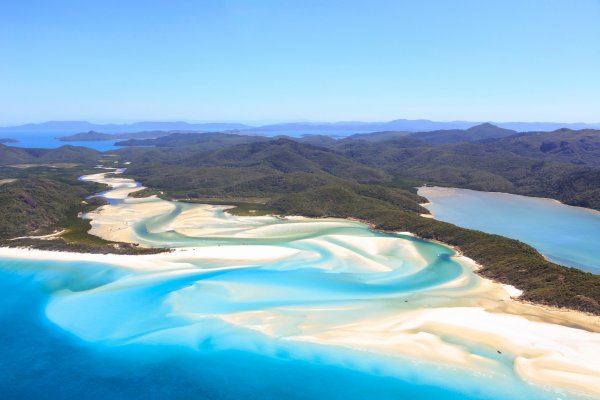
<point x="113" y="349"/>
<point x="248" y="308"/>
<point x="41" y="361"/>
<point x="566" y="235"/>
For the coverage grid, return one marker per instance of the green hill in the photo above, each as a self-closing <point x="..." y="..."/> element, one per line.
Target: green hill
<point x="564" y="145"/>
<point x="195" y="140"/>
<point x="286" y="156"/>
<point x="367" y="179"/>
<point x="37" y="202"/>
<point x="71" y="154"/>
<point x="476" y="133"/>
<point x="86" y="136"/>
<point x="486" y="166"/>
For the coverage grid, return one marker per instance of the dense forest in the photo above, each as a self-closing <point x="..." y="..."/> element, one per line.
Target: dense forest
<point x="371" y="177"/>
<point x="564" y="164"/>
<point x="40" y="199"/>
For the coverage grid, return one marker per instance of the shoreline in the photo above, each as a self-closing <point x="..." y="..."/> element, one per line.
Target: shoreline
<point x="483" y="313"/>
<point x="489" y="316"/>
<point x="440" y="193"/>
<point x="124" y="186"/>
<point x="582" y="318"/>
<point x="564" y="316"/>
<point x="459" y="253"/>
<point x="547" y="199"/>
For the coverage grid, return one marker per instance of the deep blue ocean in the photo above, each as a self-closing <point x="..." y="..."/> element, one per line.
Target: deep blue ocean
<point x="39" y="360"/>
<point x="50" y="141"/>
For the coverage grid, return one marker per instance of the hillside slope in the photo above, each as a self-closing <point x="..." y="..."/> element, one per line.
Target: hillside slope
<point x="564" y="145"/>
<point x="475" y="133"/>
<point x="36" y="202"/>
<point x="71" y="154"/>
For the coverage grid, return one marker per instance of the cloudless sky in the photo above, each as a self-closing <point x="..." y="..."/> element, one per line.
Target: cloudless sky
<point x="319" y="60"/>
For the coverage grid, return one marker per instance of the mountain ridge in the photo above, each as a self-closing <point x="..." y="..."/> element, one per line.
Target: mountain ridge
<point x="343" y="128"/>
<point x="74" y="127"/>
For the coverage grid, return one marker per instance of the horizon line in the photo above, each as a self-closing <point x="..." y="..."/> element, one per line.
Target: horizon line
<point x="256" y="124"/>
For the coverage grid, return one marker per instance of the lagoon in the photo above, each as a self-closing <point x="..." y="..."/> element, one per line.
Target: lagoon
<point x="564" y="234"/>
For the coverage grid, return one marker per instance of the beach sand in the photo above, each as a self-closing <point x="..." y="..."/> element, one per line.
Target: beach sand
<point x="446" y="324"/>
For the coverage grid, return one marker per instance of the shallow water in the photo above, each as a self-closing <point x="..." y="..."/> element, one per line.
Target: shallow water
<point x="258" y="307"/>
<point x="566" y="235"/>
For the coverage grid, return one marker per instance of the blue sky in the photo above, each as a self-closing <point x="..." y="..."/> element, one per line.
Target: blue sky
<point x="267" y="61"/>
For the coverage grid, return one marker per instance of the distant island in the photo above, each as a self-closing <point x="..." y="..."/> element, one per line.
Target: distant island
<point x="86" y="137"/>
<point x="8" y="141"/>
<point x="370" y="177"/>
<point x="72" y="127"/>
<point x="293" y="128"/>
<point x="198" y="185"/>
<point x="93" y="136"/>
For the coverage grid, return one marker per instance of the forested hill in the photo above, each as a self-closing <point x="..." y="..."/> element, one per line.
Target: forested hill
<point x="245" y="170"/>
<point x="65" y="154"/>
<point x="564" y="145"/>
<point x="40" y="199"/>
<point x="355" y="177"/>
<point x="39" y="187"/>
<point x="95" y="136"/>
<point x="30" y="203"/>
<point x="522" y="163"/>
<point x="473" y="134"/>
<point x="374" y="180"/>
<point x="206" y="141"/>
<point x="563" y="164"/>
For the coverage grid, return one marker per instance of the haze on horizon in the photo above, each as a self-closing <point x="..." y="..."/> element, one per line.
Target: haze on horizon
<point x="272" y="61"/>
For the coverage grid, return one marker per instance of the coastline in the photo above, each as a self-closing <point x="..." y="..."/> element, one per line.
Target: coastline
<point x="145" y="262"/>
<point x="546" y="199"/>
<point x="122" y="187"/>
<point x="438" y="193"/>
<point x="540" y="312"/>
<point x="488" y="314"/>
<point x="115" y="226"/>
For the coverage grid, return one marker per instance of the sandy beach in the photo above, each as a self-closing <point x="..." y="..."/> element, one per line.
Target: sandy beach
<point x="545" y="351"/>
<point x="449" y="323"/>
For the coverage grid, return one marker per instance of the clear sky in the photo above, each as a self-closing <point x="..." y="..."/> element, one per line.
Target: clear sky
<point x="278" y="60"/>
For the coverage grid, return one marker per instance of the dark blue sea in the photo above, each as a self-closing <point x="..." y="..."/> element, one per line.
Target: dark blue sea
<point x="50" y="141"/>
<point x="40" y="361"/>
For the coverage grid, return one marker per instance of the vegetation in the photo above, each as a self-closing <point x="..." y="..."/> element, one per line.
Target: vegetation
<point x="373" y="180"/>
<point x="71" y="154"/>
<point x="42" y="200"/>
<point x="243" y="207"/>
<point x="476" y="133"/>
<point x="505" y="260"/>
<point x="368" y="177"/>
<point x="489" y="165"/>
<point x="34" y="203"/>
<point x="208" y="141"/>
<point x="96" y="136"/>
<point x="86" y="136"/>
<point x="564" y="145"/>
